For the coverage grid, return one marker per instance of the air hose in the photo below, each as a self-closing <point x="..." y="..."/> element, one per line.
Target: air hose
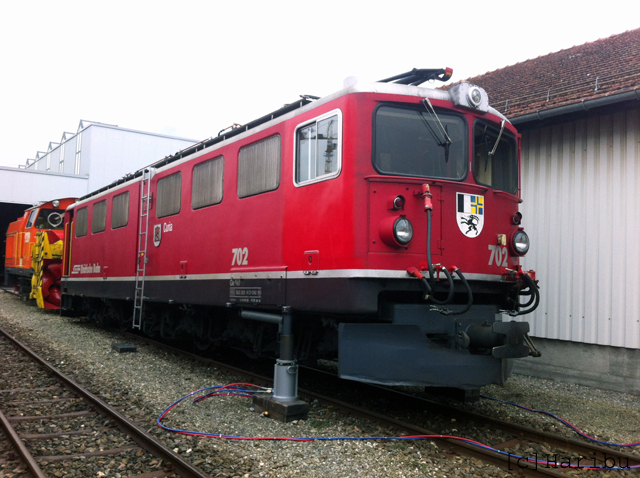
<point x="429" y="284"/>
<point x="532" y="289"/>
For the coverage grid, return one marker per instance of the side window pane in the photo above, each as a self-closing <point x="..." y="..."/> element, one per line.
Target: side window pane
<point x="120" y="211"/>
<point x="208" y="183"/>
<point x="500" y="169"/>
<point x="259" y="167"/>
<point x="306" y="153"/>
<point x="99" y="220"/>
<point x="81" y="222"/>
<point x="32" y="217"/>
<point x="169" y="192"/>
<point x="317" y="150"/>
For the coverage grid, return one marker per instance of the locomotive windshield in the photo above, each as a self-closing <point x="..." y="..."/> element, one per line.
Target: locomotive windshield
<point x="500" y="169"/>
<point x="50" y="219"/>
<point x="410" y="142"/>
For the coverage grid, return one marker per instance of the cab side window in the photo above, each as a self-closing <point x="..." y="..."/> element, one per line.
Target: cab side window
<point x="318" y="149"/>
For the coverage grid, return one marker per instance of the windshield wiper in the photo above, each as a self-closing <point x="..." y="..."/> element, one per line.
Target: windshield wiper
<point x="442" y="135"/>
<point x="495" y="146"/>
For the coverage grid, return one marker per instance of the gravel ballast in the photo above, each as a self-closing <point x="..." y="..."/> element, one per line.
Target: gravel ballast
<point x="144" y="383"/>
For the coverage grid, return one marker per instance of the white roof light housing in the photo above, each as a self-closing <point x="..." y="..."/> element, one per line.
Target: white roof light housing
<point x="470" y="96"/>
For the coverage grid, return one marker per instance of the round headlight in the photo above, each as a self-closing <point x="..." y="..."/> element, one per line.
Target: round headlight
<point x="520" y="243"/>
<point x="475" y="96"/>
<point x="403" y="230"/>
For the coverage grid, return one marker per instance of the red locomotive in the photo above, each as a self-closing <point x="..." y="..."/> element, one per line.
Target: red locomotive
<point x="382" y="218"/>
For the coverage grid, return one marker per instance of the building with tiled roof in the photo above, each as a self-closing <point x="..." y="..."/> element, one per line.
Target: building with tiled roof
<point x="579" y="114"/>
<point x="604" y="72"/>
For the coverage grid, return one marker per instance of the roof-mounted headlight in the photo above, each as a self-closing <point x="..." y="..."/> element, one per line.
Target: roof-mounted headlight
<point x="475" y="96"/>
<point x="470" y="96"/>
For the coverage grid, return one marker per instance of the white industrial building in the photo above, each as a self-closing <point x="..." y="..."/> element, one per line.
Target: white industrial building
<point x="96" y="155"/>
<point x="578" y="111"/>
<point x="99" y="154"/>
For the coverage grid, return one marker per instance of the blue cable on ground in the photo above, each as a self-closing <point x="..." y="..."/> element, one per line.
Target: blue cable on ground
<point x="562" y="420"/>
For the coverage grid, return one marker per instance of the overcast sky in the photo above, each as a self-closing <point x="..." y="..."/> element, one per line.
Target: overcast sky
<point x="190" y="68"/>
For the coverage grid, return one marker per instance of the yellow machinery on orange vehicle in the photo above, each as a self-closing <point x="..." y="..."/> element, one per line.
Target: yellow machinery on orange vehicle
<point x="33" y="260"/>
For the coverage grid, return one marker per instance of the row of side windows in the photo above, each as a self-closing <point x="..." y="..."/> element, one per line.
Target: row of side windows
<point x="317" y="157"/>
<point x="119" y="215"/>
<point x="258" y="172"/>
<point x="206" y="189"/>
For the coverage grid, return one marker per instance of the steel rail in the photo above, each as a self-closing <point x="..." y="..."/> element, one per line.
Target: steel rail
<point x="521" y="431"/>
<point x="460" y="447"/>
<point x="9" y="290"/>
<point x="146" y="441"/>
<point x="24" y="453"/>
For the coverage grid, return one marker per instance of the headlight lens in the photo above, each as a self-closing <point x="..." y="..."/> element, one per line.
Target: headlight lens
<point x="520" y="242"/>
<point x="403" y="230"/>
<point x="475" y="96"/>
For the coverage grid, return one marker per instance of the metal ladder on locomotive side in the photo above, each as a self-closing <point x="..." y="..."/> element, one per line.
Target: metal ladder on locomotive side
<point x="143" y="239"/>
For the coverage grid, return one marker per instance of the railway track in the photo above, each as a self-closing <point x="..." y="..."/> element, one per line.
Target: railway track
<point x="560" y="450"/>
<point x="9" y="290"/>
<point x="53" y="423"/>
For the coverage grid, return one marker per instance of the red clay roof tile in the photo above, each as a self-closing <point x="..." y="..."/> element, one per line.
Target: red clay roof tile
<point x="593" y="70"/>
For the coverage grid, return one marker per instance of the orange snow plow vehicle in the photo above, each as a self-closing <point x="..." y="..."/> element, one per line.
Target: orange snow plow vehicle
<point x="33" y="259"/>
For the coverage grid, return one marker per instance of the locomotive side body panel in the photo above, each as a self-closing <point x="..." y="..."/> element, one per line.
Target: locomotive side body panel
<point x="15" y="239"/>
<point x="100" y="259"/>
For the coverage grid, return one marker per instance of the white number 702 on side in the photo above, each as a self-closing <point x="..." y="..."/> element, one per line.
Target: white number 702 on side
<point x="499" y="255"/>
<point x="240" y="256"/>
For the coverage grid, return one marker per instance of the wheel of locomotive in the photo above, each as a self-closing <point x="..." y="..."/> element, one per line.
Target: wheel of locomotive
<point x="96" y="312"/>
<point x="124" y="321"/>
<point x="167" y="324"/>
<point x="24" y="289"/>
<point x="151" y="322"/>
<point x="113" y="315"/>
<point x="200" y="332"/>
<point x="252" y="345"/>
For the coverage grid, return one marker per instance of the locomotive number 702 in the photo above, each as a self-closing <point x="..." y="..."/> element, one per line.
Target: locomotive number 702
<point x="240" y="256"/>
<point x="499" y="254"/>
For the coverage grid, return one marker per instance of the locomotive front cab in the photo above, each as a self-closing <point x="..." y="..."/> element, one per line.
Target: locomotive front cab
<point x="443" y="212"/>
<point x="34" y="252"/>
